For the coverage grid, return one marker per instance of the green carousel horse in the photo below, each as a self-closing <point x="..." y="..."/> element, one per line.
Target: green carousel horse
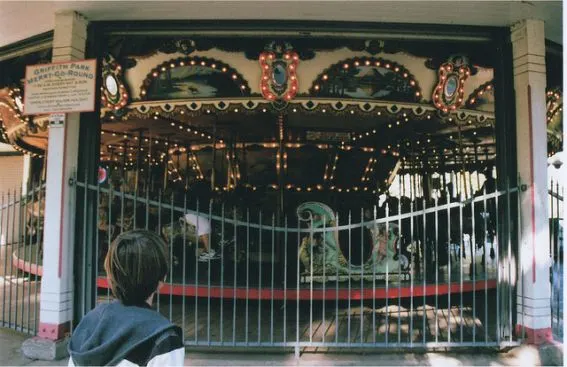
<point x="320" y="252"/>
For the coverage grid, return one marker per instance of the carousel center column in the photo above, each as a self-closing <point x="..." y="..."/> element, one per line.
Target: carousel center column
<point x="533" y="288"/>
<point x="56" y="305"/>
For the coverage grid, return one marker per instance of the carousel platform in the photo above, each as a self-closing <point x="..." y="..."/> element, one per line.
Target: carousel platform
<point x="222" y="316"/>
<point x="211" y="282"/>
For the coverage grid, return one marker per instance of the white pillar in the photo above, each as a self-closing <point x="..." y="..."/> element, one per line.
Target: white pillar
<point x="56" y="307"/>
<point x="533" y="296"/>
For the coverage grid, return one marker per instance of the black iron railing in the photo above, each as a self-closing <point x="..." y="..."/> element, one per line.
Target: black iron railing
<point x="410" y="273"/>
<point x="21" y="231"/>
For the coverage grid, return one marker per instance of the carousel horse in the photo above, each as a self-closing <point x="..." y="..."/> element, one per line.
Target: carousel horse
<point x="320" y="252"/>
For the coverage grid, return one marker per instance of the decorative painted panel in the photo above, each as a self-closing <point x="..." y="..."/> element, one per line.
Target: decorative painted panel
<point x="193" y="77"/>
<point x="367" y="78"/>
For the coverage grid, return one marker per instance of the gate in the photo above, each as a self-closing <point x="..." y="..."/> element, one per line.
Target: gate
<point x="21" y="229"/>
<point x="411" y="273"/>
<point x="556" y="226"/>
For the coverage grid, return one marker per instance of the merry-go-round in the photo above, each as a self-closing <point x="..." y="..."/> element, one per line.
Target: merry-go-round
<point x="324" y="165"/>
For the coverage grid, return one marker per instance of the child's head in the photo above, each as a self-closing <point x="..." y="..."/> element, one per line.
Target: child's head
<point x="135" y="264"/>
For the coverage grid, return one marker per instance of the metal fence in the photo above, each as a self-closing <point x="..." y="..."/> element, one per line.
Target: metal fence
<point x="410" y="273"/>
<point x="21" y="230"/>
<point x="415" y="273"/>
<point x="556" y="225"/>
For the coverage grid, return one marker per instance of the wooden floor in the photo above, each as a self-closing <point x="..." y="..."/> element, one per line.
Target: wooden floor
<point x="264" y="322"/>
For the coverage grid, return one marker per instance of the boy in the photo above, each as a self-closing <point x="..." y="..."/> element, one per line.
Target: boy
<point x="127" y="332"/>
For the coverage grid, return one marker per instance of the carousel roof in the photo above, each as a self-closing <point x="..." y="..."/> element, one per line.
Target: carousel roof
<point x="323" y="112"/>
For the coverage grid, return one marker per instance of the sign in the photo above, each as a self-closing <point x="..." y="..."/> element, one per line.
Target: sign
<point x="57" y="118"/>
<point x="60" y="87"/>
<point x="102" y="175"/>
<point x="335" y="136"/>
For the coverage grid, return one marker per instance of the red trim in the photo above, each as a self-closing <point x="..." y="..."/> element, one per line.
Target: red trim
<point x="535" y="336"/>
<point x="54" y="331"/>
<point x="267" y="60"/>
<point x="26" y="266"/>
<point x="216" y="291"/>
<point x="62" y="209"/>
<point x="532" y="186"/>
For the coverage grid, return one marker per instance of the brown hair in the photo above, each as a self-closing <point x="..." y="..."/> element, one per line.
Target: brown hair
<point x="135" y="264"/>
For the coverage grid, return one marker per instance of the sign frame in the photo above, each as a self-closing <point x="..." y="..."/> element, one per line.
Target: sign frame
<point x="93" y="93"/>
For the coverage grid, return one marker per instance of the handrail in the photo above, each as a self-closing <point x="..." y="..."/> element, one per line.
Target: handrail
<point x="390" y="218"/>
<point x="21" y="198"/>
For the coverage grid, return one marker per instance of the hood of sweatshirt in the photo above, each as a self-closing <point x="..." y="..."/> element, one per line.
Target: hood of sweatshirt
<point x="107" y="334"/>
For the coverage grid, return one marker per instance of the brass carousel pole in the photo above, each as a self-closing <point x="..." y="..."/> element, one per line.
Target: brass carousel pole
<point x="178" y="163"/>
<point x="477" y="165"/>
<point x="486" y="163"/>
<point x="463" y="168"/>
<point x="124" y="156"/>
<point x="166" y="160"/>
<point x="413" y="176"/>
<point x="214" y="160"/>
<point x="110" y="160"/>
<point x="244" y="169"/>
<point x="279" y="162"/>
<point x="442" y="169"/>
<point x="456" y="175"/>
<point x="403" y="178"/>
<point x="138" y="161"/>
<point x="231" y="173"/>
<point x="150" y="175"/>
<point x="425" y="178"/>
<point x="187" y="167"/>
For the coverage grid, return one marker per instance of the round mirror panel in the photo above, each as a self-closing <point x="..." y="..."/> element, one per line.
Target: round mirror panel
<point x="451" y="86"/>
<point x="111" y="84"/>
<point x="279" y="74"/>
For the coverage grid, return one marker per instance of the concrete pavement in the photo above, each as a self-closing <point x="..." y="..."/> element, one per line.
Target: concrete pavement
<point x="11" y="355"/>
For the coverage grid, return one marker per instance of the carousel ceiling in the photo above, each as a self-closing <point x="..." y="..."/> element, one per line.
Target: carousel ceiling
<point x="322" y="145"/>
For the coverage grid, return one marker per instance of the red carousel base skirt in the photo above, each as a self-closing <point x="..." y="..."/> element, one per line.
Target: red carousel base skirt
<point x="331" y="293"/>
<point x="305" y="292"/>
